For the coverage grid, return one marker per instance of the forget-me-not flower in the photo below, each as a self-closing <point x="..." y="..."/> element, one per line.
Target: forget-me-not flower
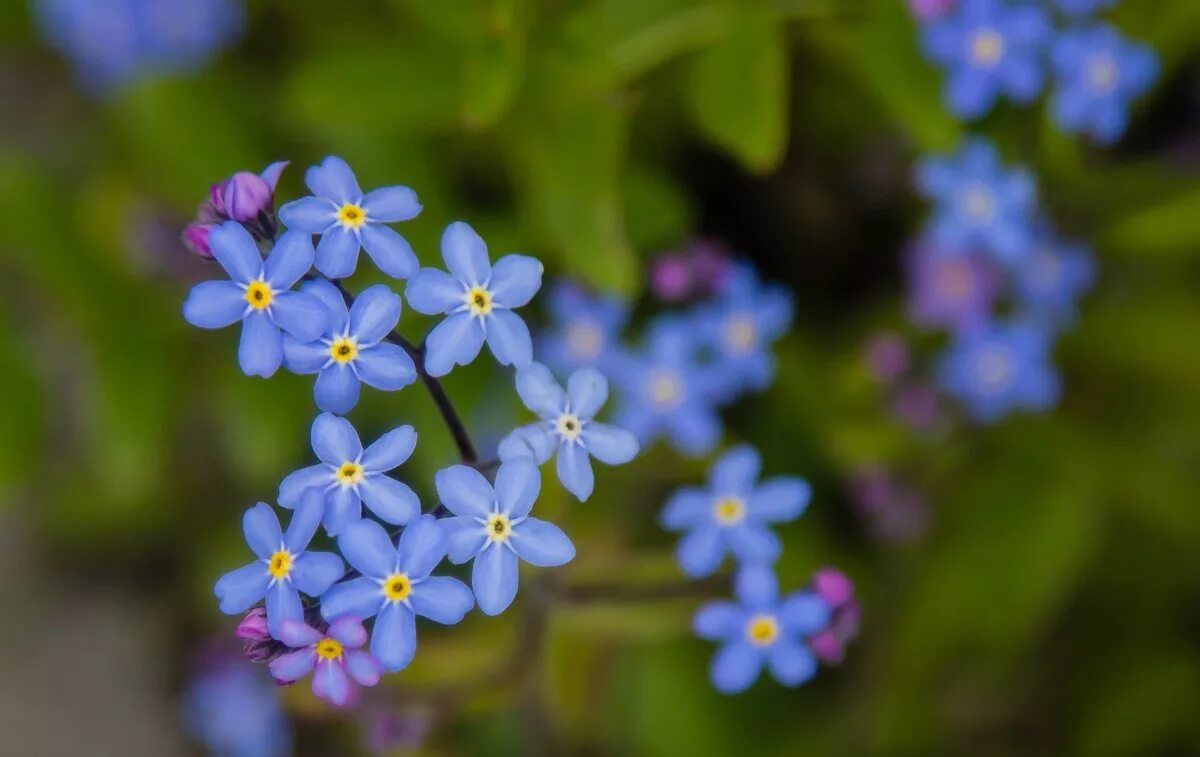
<point x="732" y="514"/>
<point x="1000" y="367"/>
<point x="347" y="219"/>
<point x="349" y="476"/>
<point x="952" y="291"/>
<point x="234" y="710"/>
<point x="761" y="628"/>
<point x="1051" y="282"/>
<point x="396" y="586"/>
<point x="333" y="657"/>
<point x="352" y="350"/>
<point x="284" y="568"/>
<point x="586" y="331"/>
<point x="568" y="427"/>
<point x="478" y="300"/>
<point x="492" y="525"/>
<point x="1098" y="73"/>
<point x="258" y="296"/>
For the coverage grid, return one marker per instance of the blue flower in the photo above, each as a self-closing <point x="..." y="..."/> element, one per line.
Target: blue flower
<point x="396" y="586"/>
<point x="234" y="710"/>
<point x="478" y="300"/>
<point x="283" y="568"/>
<point x="978" y="203"/>
<point x="352" y="349"/>
<point x="761" y="628"/>
<point x="1098" y="74"/>
<point x="1082" y="7"/>
<point x="955" y="291"/>
<point x="999" y="368"/>
<point x="1051" y="282"/>
<point x="739" y="328"/>
<point x="732" y="513"/>
<point x="664" y="390"/>
<point x="989" y="48"/>
<point x="347" y="219"/>
<point x="493" y="527"/>
<point x="567" y="426"/>
<point x="348" y="476"/>
<point x="586" y="329"/>
<point x="257" y="296"/>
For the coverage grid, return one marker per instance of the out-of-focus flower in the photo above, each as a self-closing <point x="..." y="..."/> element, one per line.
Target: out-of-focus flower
<point x="195" y="238"/>
<point x="1082" y="7"/>
<point x="332" y="656"/>
<point x="700" y="270"/>
<point x="568" y="427"/>
<point x="586" y="329"/>
<point x="732" y="513"/>
<point x="258" y="295"/>
<point x="1098" y="73"/>
<point x="930" y="10"/>
<point x="493" y="527"/>
<point x="348" y="476"/>
<point x="1000" y="368"/>
<point x="396" y="586"/>
<point x="234" y="710"/>
<point x="387" y="730"/>
<point x="478" y="300"/>
<point x="761" y="628"/>
<point x="352" y="349"/>
<point x="979" y="205"/>
<point x="917" y="405"/>
<point x="1051" y="282"/>
<point x="893" y="510"/>
<point x="829" y="644"/>
<point x="348" y="221"/>
<point x="950" y="290"/>
<point x="886" y="355"/>
<point x="283" y="569"/>
<point x="989" y="48"/>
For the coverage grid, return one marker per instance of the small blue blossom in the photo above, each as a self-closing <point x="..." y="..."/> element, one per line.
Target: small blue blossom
<point x="567" y="426"/>
<point x="1082" y="7"/>
<point x="493" y="526"/>
<point x="396" y="586"/>
<point x="979" y="204"/>
<point x="352" y="349"/>
<point x="478" y="300"/>
<point x="257" y="296"/>
<point x="761" y="628"/>
<point x="283" y="568"/>
<point x="954" y="291"/>
<point x="349" y="476"/>
<point x="348" y="220"/>
<point x="1051" y="282"/>
<point x="665" y="391"/>
<point x="999" y="368"/>
<point x="1098" y="74"/>
<point x="732" y="513"/>
<point x="234" y="710"/>
<point x="989" y="48"/>
<point x="586" y="329"/>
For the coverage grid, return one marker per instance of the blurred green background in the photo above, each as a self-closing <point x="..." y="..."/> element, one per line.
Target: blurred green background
<point x="1052" y="606"/>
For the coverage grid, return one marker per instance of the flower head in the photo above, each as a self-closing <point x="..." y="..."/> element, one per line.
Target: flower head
<point x="257" y="294"/>
<point x="954" y="291"/>
<point x="567" y="426"/>
<point x="478" y="300"/>
<point x="1000" y="368"/>
<point x="493" y="527"/>
<point x="731" y="514"/>
<point x="283" y="568"/>
<point x="349" y="220"/>
<point x="761" y="627"/>
<point x="1098" y="74"/>
<point x="332" y="656"/>
<point x="349" y="476"/>
<point x="352" y="350"/>
<point x="396" y="586"/>
<point x="586" y="329"/>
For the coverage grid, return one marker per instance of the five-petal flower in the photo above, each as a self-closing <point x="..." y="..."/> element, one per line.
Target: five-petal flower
<point x="999" y="368"/>
<point x="1099" y="73"/>
<point x="333" y="657"/>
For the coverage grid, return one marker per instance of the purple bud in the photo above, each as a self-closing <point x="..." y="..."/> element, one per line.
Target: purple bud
<point x="826" y="646"/>
<point x="887" y="357"/>
<point x="833" y="586"/>
<point x="254" y="626"/>
<point x="670" y="278"/>
<point x="244" y="195"/>
<point x="195" y="238"/>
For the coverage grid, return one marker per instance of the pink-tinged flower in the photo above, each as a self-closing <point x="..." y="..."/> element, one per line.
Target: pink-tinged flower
<point x="195" y="238"/>
<point x="886" y="355"/>
<point x="333" y="657"/>
<point x="928" y="10"/>
<point x="245" y="195"/>
<point x="254" y="626"/>
<point x="829" y="644"/>
<point x="670" y="278"/>
<point x="699" y="270"/>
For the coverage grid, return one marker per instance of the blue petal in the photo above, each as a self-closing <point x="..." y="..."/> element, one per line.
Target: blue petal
<point x="465" y="254"/>
<point x="432" y="291"/>
<point x="298" y="482"/>
<point x="366" y="546"/>
<point x="304" y="357"/>
<point x="753" y="542"/>
<point x="290" y="258"/>
<point x="334" y="440"/>
<point x="508" y="337"/>
<point x="735" y="471"/>
<point x="394" y="638"/>
<point x="540" y="392"/>
<point x="534" y="440"/>
<point x="791" y="662"/>
<point x="260" y="350"/>
<point x="735" y="667"/>
<point x="305" y="519"/>
<point x="238" y="589"/>
<point x="294" y="665"/>
<point x="464" y="538"/>
<point x="517" y="485"/>
<point x="442" y="599"/>
<point x="331" y="297"/>
<point x="337" y="252"/>
<point x="464" y="491"/>
<point x="385" y="366"/>
<point x="298" y="634"/>
<point x="756" y="586"/>
<point x="214" y="304"/>
<point x="391" y="500"/>
<point x="361" y="597"/>
<point x="283" y="603"/>
<point x="336" y="389"/>
<point x="331" y="683"/>
<point x="235" y="250"/>
<point x="315" y="572"/>
<point x="587" y="389"/>
<point x="363" y="668"/>
<point x="391" y="204"/>
<point x="260" y="526"/>
<point x="694" y="430"/>
<point x="700" y="551"/>
<point x="494" y="579"/>
<point x="609" y="444"/>
<point x="456" y="340"/>
<point x="389" y="450"/>
<point x="803" y="613"/>
<point x="311" y="215"/>
<point x="301" y="315"/>
<point x="575" y="470"/>
<point x="422" y="546"/>
<point x="374" y="314"/>
<point x="686" y="509"/>
<point x="342" y="507"/>
<point x="780" y="499"/>
<point x="541" y="543"/>
<point x="515" y="280"/>
<point x="971" y="92"/>
<point x="390" y="251"/>
<point x="333" y="179"/>
<point x="719" y="621"/>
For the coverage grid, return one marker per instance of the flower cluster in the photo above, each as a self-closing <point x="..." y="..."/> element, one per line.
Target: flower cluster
<point x="1005" y="48"/>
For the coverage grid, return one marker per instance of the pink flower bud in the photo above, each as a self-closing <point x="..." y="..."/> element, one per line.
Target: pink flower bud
<point x="671" y="278"/>
<point x="827" y="647"/>
<point x="195" y="238"/>
<point x="833" y="586"/>
<point x="254" y="626"/>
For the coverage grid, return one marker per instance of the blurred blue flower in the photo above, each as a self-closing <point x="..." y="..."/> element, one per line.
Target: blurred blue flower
<point x="332" y="656"/>
<point x="1082" y="7"/>
<point x="257" y="296"/>
<point x="1051" y="282"/>
<point x="732" y="513"/>
<point x="665" y="390"/>
<point x="978" y="204"/>
<point x="352" y="349"/>
<point x="586" y="329"/>
<point x="989" y="48"/>
<point x="478" y="301"/>
<point x="567" y="426"/>
<point x="234" y="711"/>
<point x="761" y="628"/>
<point x="951" y="291"/>
<point x="999" y="368"/>
<point x="493" y="527"/>
<point x="396" y="586"/>
<point x="348" y="220"/>
<point x="348" y="476"/>
<point x="1098" y="73"/>
<point x="283" y="568"/>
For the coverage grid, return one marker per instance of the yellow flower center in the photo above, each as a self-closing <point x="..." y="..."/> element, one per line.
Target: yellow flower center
<point x="987" y="47"/>
<point x="280" y="564"/>
<point x="329" y="648"/>
<point x="569" y="426"/>
<point x="351" y="216"/>
<point x="761" y="630"/>
<point x="978" y="202"/>
<point x="729" y="510"/>
<point x="258" y="294"/>
<point x="349" y="473"/>
<point x="343" y="349"/>
<point x="498" y="527"/>
<point x="664" y="388"/>
<point x="1102" y="73"/>
<point x="396" y="586"/>
<point x="740" y="332"/>
<point x="584" y="340"/>
<point x="479" y="301"/>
